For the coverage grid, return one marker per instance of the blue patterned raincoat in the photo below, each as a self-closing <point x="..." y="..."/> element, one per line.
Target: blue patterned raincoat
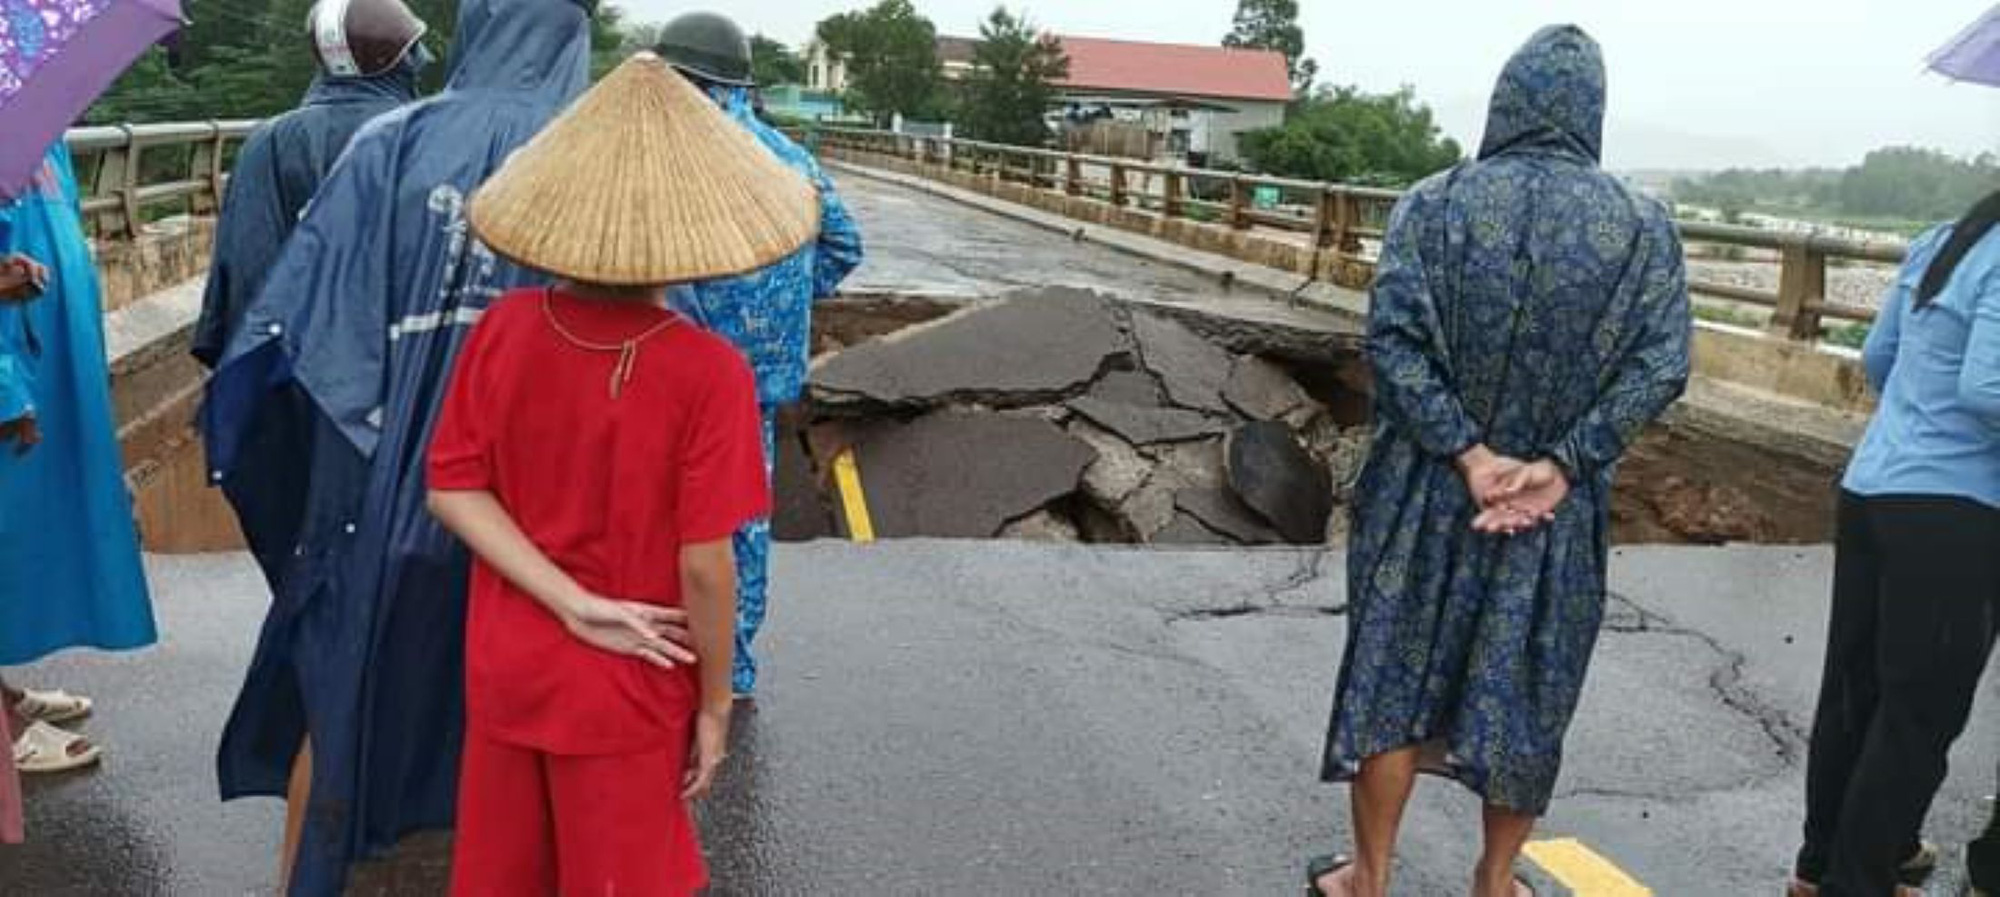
<point x="1530" y="302"/>
<point x="768" y="315"/>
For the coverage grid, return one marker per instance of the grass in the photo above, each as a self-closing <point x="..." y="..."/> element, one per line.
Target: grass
<point x="1849" y="336"/>
<point x="1731" y="315"/>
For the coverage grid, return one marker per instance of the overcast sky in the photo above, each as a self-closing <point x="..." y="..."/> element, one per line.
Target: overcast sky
<point x="1694" y="83"/>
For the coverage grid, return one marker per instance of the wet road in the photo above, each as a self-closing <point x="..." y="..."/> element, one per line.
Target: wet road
<point x="1010" y="718"/>
<point x="925" y="244"/>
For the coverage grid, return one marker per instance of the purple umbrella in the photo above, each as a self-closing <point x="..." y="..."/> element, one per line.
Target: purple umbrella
<point x="56" y="56"/>
<point x="1974" y="55"/>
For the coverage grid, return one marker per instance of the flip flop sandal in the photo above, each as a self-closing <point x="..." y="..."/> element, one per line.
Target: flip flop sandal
<point x="1799" y="888"/>
<point x="52" y="707"/>
<point x="1916" y="871"/>
<point x="46" y="749"/>
<point x="1321" y="867"/>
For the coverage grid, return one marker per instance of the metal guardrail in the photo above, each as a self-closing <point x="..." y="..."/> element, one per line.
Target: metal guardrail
<point x="1344" y="219"/>
<point x="128" y="172"/>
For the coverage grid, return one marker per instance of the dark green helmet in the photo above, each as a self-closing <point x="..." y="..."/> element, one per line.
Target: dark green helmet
<point x="707" y="47"/>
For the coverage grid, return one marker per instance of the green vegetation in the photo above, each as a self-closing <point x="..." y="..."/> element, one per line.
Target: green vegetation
<point x="1850" y="336"/>
<point x="1730" y="315"/>
<point x="1342" y="134"/>
<point x="1011" y="86"/>
<point x="775" y="63"/>
<point x="1274" y="25"/>
<point x="892" y="61"/>
<point x="252" y="59"/>
<point x="1897" y="189"/>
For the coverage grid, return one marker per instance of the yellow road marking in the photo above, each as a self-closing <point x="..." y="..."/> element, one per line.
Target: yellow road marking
<point x="847" y="476"/>
<point x="1583" y="871"/>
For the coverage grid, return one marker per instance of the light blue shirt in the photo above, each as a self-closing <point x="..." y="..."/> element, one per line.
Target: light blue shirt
<point x="1937" y="431"/>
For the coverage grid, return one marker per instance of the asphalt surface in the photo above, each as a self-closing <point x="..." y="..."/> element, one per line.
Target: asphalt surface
<point x="1015" y="718"/>
<point x="924" y="244"/>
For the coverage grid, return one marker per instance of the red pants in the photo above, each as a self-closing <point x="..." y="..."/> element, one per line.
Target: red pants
<point x="539" y="825"/>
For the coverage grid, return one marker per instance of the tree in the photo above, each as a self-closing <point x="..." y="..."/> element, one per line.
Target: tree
<point x="612" y="41"/>
<point x="262" y="63"/>
<point x="891" y="55"/>
<point x="1896" y="186"/>
<point x="1012" y="83"/>
<point x="1342" y="134"/>
<point x="1274" y="25"/>
<point x="775" y="63"/>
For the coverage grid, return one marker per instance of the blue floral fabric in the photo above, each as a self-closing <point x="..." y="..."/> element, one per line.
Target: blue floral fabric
<point x="768" y="313"/>
<point x="1530" y="302"/>
<point x="753" y="575"/>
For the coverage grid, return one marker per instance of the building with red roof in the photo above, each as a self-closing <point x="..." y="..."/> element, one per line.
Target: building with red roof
<point x="1197" y="98"/>
<point x="1194" y="100"/>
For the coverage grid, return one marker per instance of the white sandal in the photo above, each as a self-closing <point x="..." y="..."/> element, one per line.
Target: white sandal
<point x="53" y="707"/>
<point x="46" y="749"/>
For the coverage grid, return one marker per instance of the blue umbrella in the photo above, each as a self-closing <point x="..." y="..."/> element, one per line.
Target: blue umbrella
<point x="1974" y="55"/>
<point x="56" y="56"/>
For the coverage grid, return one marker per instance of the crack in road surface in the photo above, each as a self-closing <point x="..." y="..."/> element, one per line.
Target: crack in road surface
<point x="1270" y="600"/>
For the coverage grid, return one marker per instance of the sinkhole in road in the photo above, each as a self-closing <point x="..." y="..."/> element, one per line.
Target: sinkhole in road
<point x="1067" y="415"/>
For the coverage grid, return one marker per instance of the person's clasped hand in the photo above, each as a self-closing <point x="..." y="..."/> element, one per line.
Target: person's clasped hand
<point x="21" y="278"/>
<point x="1514" y="496"/>
<point x="23" y="432"/>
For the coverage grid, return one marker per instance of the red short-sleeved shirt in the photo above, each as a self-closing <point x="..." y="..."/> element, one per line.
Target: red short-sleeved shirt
<point x="610" y="488"/>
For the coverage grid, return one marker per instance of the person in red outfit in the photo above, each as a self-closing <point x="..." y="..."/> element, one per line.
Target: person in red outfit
<point x="596" y="452"/>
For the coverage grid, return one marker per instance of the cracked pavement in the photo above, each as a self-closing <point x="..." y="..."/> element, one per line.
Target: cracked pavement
<point x="1026" y="718"/>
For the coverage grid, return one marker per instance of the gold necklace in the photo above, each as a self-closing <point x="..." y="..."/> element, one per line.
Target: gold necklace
<point x="628" y="351"/>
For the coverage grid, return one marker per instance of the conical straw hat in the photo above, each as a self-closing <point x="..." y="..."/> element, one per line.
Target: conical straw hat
<point x="645" y="181"/>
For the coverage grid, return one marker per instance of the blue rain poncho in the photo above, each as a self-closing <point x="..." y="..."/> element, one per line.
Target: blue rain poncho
<point x="364" y="311"/>
<point x="276" y="173"/>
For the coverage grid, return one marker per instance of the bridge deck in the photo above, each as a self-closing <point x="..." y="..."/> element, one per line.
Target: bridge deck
<point x="1059" y="720"/>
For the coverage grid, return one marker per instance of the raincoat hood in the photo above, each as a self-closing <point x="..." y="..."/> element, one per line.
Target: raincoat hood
<point x="1550" y="98"/>
<point x="397" y="85"/>
<point x="539" y="46"/>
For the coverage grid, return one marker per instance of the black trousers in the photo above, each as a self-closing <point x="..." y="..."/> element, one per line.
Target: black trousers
<point x="1982" y="857"/>
<point x="1916" y="583"/>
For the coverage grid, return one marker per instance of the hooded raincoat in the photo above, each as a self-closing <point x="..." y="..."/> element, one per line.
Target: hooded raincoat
<point x="276" y="174"/>
<point x="1530" y="302"/>
<point x="364" y="312"/>
<point x="768" y="315"/>
<point x="70" y="575"/>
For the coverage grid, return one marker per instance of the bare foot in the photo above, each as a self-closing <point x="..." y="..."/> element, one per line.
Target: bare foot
<point x="1511" y="886"/>
<point x="1347" y="881"/>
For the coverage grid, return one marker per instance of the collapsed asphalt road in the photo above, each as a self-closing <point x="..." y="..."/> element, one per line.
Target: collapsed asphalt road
<point x="1016" y="718"/>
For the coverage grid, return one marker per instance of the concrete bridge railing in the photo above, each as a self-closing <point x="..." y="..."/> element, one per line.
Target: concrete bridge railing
<point x="1329" y="230"/>
<point x="131" y="172"/>
<point x="149" y="195"/>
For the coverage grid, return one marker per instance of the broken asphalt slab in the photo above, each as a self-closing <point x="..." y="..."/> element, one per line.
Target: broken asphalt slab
<point x="1035" y="348"/>
<point x="1278" y="480"/>
<point x="1140" y="425"/>
<point x="941" y="475"/>
<point x="1192" y="369"/>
